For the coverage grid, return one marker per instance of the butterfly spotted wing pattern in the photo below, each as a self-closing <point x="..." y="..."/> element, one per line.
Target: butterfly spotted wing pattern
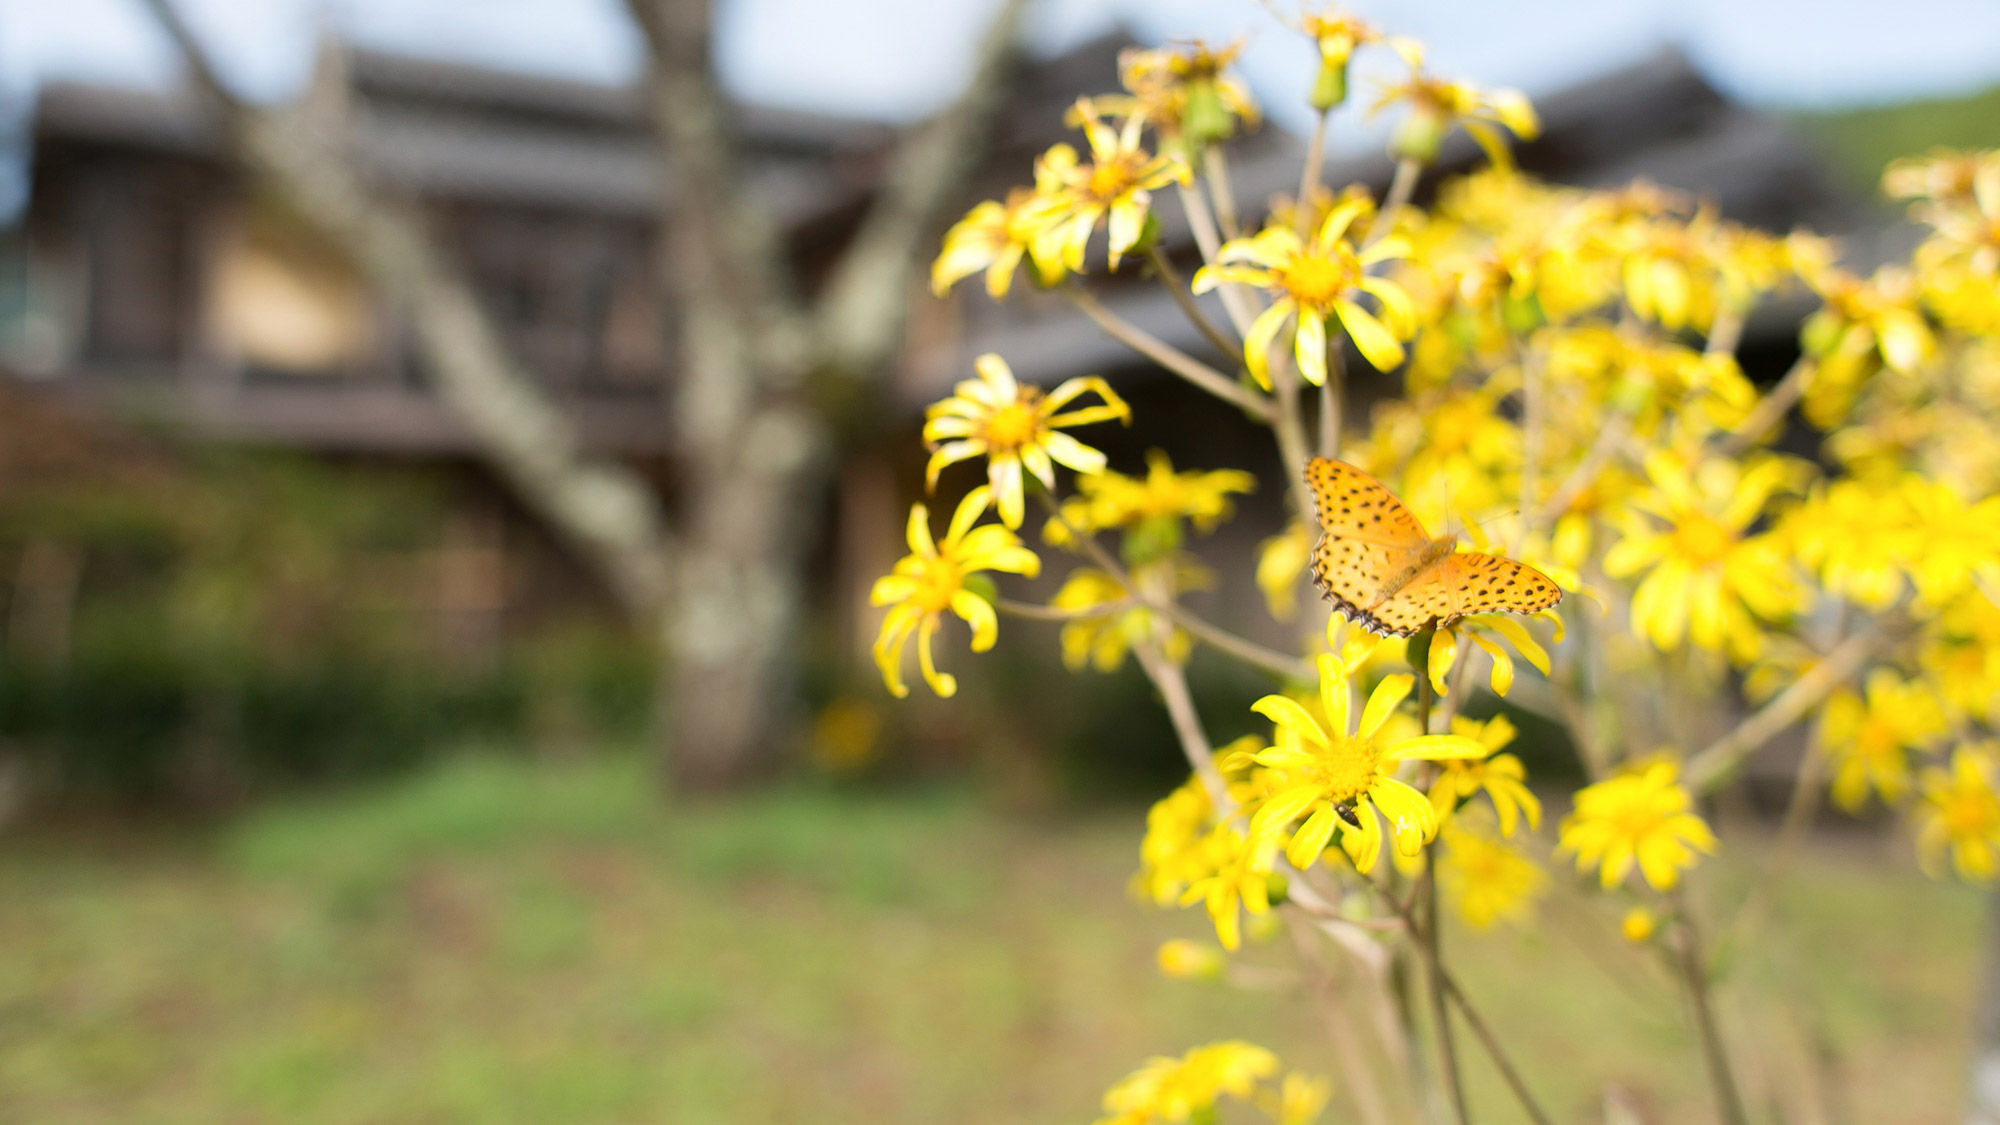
<point x="1378" y="566"/>
<point x="1466" y="583"/>
<point x="1367" y="538"/>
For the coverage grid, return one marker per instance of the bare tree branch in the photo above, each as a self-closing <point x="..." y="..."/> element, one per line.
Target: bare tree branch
<point x="859" y="319"/>
<point x="601" y="507"/>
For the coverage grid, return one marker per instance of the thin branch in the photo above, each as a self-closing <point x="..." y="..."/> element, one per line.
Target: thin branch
<point x="1332" y="400"/>
<point x="1288" y="427"/>
<point x="605" y="511"/>
<point x="1202" y="224"/>
<point x="1401" y="188"/>
<point x="1171" y="278"/>
<point x="1729" y="1100"/>
<point x="1171" y="683"/>
<point x="1432" y="937"/>
<point x="1309" y="178"/>
<point x="1340" y="1029"/>
<point x="858" y="322"/>
<point x="1608" y="440"/>
<point x="1250" y="652"/>
<point x="1032" y="612"/>
<point x="1712" y="767"/>
<point x="1494" y="1051"/>
<point x="1216" y="170"/>
<point x="1170" y="357"/>
<point x="1771" y="409"/>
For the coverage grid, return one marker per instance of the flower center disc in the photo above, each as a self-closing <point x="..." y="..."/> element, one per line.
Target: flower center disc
<point x="1702" y="540"/>
<point x="1316" y="281"/>
<point x="1347" y="769"/>
<point x="1010" y="427"/>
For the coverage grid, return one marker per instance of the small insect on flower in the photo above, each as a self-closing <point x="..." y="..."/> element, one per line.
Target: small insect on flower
<point x="1383" y="571"/>
<point x="1014" y="426"/>
<point x="1340" y="775"/>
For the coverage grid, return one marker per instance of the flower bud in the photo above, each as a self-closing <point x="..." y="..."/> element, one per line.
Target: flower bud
<point x="1638" y="925"/>
<point x="1418" y="136"/>
<point x="1191" y="960"/>
<point x="1330" y="88"/>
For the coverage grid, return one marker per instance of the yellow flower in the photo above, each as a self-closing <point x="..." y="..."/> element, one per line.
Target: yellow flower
<point x="1642" y="816"/>
<point x="1436" y="105"/>
<point x="1190" y="960"/>
<point x="1501" y="776"/>
<point x="1869" y="739"/>
<point x="1314" y="282"/>
<point x="1101" y="639"/>
<point x="1861" y="328"/>
<point x="1337" y="35"/>
<point x="1239" y="872"/>
<point x="1118" y="182"/>
<point x="1300" y="1099"/>
<point x="1342" y="778"/>
<point x="1960" y="653"/>
<point x="1013" y="426"/>
<point x="995" y="237"/>
<point x="1281" y="566"/>
<point x="1445" y="647"/>
<point x="1484" y="879"/>
<point x="1638" y="925"/>
<point x="1169" y="853"/>
<point x="1707" y="581"/>
<point x="1176" y="1090"/>
<point x="933" y="578"/>
<point x="1858" y="536"/>
<point x="1187" y="93"/>
<point x="1959" y="811"/>
<point x="1109" y="500"/>
<point x="1957" y="544"/>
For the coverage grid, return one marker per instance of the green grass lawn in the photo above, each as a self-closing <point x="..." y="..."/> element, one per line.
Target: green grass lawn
<point x="506" y="942"/>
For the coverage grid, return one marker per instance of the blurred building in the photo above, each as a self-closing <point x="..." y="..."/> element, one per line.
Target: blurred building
<point x="152" y="281"/>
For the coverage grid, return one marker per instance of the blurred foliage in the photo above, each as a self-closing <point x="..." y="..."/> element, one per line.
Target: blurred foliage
<point x="230" y="620"/>
<point x="1861" y="142"/>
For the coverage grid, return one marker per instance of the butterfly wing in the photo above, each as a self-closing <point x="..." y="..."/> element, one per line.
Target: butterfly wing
<point x="1466" y="583"/>
<point x="1367" y="537"/>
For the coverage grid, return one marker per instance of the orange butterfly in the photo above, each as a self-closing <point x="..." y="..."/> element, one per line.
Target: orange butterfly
<point x="1383" y="571"/>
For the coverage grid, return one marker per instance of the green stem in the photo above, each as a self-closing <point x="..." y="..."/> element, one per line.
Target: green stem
<point x="1433" y="923"/>
<point x="1729" y="1100"/>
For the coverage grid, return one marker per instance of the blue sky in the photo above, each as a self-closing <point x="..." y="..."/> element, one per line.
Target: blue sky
<point x="898" y="58"/>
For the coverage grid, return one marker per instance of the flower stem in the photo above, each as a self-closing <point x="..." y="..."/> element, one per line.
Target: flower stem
<point x="1433" y="923"/>
<point x="1250" y="652"/>
<point x="1716" y="764"/>
<point x="1310" y="177"/>
<point x="1487" y="1039"/>
<point x="1171" y="278"/>
<point x="1172" y="685"/>
<point x="1729" y="1100"/>
<point x="1170" y="357"/>
<point x="1771" y="409"/>
<point x="1289" y="428"/>
<point x="1401" y="188"/>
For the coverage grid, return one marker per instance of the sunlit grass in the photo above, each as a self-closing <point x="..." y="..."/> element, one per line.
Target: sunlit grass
<point x="503" y="941"/>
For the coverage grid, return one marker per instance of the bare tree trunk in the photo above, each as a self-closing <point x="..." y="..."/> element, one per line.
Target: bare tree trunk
<point x="757" y="453"/>
<point x="301" y="155"/>
<point x="725" y="600"/>
<point x="1983" y="1091"/>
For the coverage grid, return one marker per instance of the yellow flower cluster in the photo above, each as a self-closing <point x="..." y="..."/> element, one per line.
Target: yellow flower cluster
<point x="1171" y="1091"/>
